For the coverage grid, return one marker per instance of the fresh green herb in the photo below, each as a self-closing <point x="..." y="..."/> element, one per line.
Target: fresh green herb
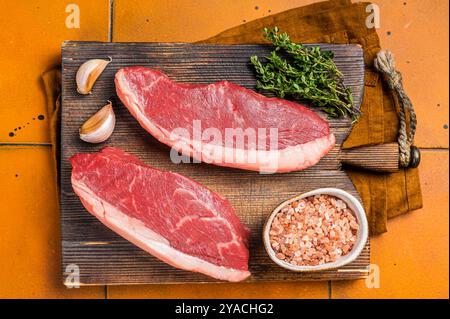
<point x="304" y="73"/>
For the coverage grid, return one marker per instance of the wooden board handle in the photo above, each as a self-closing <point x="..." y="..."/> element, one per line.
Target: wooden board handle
<point x="378" y="158"/>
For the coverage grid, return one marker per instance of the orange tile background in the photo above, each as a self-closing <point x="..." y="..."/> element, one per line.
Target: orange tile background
<point x="413" y="256"/>
<point x="31" y="33"/>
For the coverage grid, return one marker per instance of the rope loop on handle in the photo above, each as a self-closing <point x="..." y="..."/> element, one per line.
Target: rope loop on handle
<point x="385" y="64"/>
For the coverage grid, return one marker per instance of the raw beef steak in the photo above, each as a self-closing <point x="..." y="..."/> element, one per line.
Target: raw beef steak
<point x="166" y="214"/>
<point x="223" y="123"/>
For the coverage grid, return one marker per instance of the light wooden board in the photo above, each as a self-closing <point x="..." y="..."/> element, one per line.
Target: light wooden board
<point x="104" y="257"/>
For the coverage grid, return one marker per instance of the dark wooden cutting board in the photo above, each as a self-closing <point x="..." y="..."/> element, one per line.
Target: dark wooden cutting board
<point x="104" y="257"/>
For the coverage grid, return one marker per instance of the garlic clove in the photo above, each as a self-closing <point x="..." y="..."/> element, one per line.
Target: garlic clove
<point x="99" y="127"/>
<point x="88" y="73"/>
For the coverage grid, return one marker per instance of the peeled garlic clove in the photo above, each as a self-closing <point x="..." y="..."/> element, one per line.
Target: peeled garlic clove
<point x="100" y="126"/>
<point x="88" y="73"/>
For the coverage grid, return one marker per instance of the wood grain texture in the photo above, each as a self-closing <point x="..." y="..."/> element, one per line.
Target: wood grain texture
<point x="106" y="258"/>
<point x="379" y="158"/>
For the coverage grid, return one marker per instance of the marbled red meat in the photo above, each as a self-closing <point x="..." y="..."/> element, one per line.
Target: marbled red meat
<point x="166" y="214"/>
<point x="163" y="107"/>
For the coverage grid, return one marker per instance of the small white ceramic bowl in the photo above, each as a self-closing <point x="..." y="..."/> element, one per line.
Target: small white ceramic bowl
<point x="361" y="237"/>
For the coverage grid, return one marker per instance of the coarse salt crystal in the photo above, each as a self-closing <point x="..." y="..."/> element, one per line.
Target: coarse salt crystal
<point x="313" y="231"/>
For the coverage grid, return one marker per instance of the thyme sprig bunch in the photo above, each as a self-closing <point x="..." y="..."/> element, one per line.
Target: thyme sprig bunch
<point x="304" y="73"/>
